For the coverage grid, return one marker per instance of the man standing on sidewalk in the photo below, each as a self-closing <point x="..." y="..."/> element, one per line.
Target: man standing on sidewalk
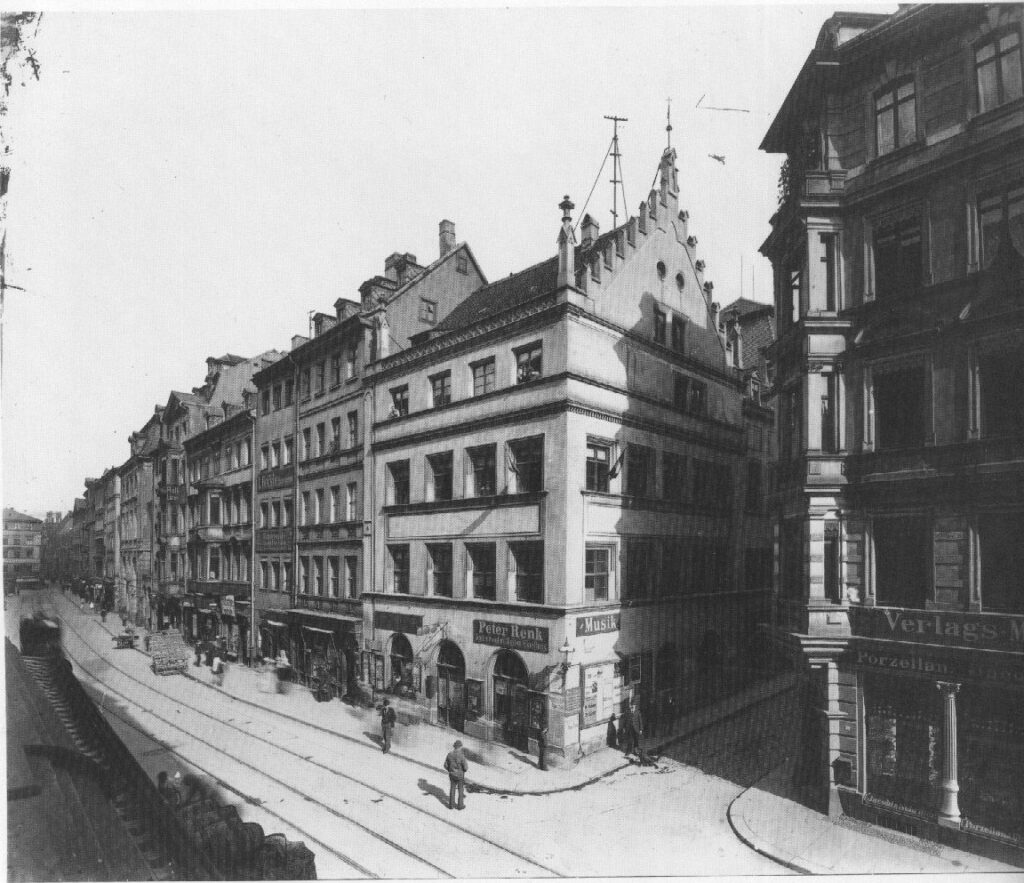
<point x="455" y="764"/>
<point x="387" y="723"/>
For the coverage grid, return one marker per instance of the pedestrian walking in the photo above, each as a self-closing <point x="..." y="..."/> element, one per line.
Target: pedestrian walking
<point x="218" y="670"/>
<point x="542" y="748"/>
<point x="613" y="737"/>
<point x="387" y="723"/>
<point x="626" y="731"/>
<point x="455" y="764"/>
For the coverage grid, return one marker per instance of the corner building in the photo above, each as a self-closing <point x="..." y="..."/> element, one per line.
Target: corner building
<point x="898" y="250"/>
<point x="556" y="475"/>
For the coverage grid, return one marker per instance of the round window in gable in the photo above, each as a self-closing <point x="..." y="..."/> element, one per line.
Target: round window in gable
<point x="661" y="269"/>
<point x="680" y="281"/>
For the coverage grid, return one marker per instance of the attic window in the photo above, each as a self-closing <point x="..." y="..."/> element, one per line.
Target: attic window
<point x="462" y="263"/>
<point x="680" y="281"/>
<point x="661" y="269"/>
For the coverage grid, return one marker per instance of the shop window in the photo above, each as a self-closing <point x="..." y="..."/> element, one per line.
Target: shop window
<point x="900" y="408"/>
<point x="598" y="464"/>
<point x="439" y="558"/>
<point x="895" y="117"/>
<point x="351" y="576"/>
<point x="401" y="665"/>
<point x="898" y="258"/>
<point x="904" y="741"/>
<point x="659" y="326"/>
<point x="526" y="465"/>
<point x="1002" y="561"/>
<point x="673" y="487"/>
<point x="902" y="561"/>
<point x="482" y="576"/>
<point x="400" y="401"/>
<point x="597" y="574"/>
<point x="993" y="210"/>
<point x="639" y="470"/>
<point x="997" y="66"/>
<point x="528" y="564"/>
<point x="483" y="377"/>
<point x="399" y="569"/>
<point x="529" y="362"/>
<point x="398" y="482"/>
<point x="441" y="469"/>
<point x="482" y="471"/>
<point x="441" y="389"/>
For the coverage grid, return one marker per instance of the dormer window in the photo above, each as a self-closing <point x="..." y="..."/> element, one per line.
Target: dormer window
<point x="895" y="117"/>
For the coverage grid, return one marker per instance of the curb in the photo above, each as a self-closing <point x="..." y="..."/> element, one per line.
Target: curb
<point x="761" y="850"/>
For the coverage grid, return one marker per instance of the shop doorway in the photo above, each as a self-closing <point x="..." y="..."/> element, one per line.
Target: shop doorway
<point x="451" y="686"/>
<point x="401" y="665"/>
<point x="511" y="702"/>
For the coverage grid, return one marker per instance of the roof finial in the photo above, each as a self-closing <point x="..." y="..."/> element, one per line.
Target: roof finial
<point x="668" y="122"/>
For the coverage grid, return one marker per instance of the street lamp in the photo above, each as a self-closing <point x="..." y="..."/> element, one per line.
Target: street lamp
<point x="566" y="650"/>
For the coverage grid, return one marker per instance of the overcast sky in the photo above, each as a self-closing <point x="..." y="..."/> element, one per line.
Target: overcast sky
<point x="186" y="184"/>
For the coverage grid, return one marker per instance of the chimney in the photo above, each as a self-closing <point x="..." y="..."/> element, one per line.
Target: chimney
<point x="590" y="229"/>
<point x="446" y="236"/>
<point x="399" y="267"/>
<point x="566" y="246"/>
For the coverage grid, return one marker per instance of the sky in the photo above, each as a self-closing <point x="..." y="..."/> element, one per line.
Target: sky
<point x="187" y="183"/>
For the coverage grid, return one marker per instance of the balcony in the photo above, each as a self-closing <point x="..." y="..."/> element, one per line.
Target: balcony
<point x="275" y="479"/>
<point x="207" y="533"/>
<point x="938" y="461"/>
<point x="274" y="539"/>
<point x="338" y="530"/>
<point x="241" y="531"/>
<point x="219" y="587"/>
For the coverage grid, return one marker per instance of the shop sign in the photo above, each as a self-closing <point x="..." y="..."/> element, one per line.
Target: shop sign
<point x="512" y="636"/>
<point x="954" y="667"/>
<point x="227" y="605"/>
<point x="397" y="622"/>
<point x="598" y="624"/>
<point x="985" y="631"/>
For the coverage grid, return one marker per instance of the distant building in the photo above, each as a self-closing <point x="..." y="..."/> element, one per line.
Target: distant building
<point x="23" y="540"/>
<point x="136" y="522"/>
<point x="898" y="250"/>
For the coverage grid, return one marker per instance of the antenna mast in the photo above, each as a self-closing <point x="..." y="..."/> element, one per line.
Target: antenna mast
<point x="616" y="169"/>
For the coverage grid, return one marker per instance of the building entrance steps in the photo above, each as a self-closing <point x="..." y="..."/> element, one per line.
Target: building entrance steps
<point x="812" y="843"/>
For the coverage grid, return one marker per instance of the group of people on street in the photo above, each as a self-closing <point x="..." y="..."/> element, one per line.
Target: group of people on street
<point x="629" y="734"/>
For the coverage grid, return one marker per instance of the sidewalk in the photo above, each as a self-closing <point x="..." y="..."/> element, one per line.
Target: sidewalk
<point x="811" y="843"/>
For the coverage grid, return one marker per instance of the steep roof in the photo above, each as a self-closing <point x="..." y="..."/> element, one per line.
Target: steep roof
<point x="744" y="306"/>
<point x="15" y="515"/>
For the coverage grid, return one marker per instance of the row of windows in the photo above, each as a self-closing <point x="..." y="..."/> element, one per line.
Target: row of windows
<point x="230" y="564"/>
<point x="332" y="576"/>
<point x="19" y="552"/>
<point x="997" y="71"/>
<point x="663" y="321"/>
<point x="529" y="366"/>
<point x="523" y="471"/>
<point x="323" y="507"/>
<point x="226" y="507"/>
<point x="525" y="569"/>
<point x="276" y="574"/>
<point x="313" y="381"/>
<point x="315" y="442"/>
<point x="222" y="459"/>
<point x="276" y="513"/>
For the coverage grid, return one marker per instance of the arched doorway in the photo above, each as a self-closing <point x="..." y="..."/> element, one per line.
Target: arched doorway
<point x="401" y="665"/>
<point x="451" y="686"/>
<point x="511" y="707"/>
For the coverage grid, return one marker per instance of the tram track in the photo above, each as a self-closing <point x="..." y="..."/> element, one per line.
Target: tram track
<point x="534" y="865"/>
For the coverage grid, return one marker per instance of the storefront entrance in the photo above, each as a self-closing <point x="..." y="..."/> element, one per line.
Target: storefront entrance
<point x="451" y="686"/>
<point x="511" y="702"/>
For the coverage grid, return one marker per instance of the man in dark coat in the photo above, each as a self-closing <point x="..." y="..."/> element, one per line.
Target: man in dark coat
<point x="542" y="748"/>
<point x="626" y="731"/>
<point x="387" y="723"/>
<point x="455" y="764"/>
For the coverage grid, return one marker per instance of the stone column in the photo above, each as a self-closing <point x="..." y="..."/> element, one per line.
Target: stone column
<point x="949" y="811"/>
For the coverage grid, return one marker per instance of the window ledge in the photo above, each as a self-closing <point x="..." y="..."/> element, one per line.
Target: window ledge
<point x="995" y="113"/>
<point x="899" y="153"/>
<point x="490" y="502"/>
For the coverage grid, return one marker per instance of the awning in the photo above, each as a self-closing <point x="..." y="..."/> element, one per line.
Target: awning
<point x="274" y="623"/>
<point x="313" y="628"/>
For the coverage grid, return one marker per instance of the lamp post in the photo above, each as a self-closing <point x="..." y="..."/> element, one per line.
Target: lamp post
<point x="566" y="650"/>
